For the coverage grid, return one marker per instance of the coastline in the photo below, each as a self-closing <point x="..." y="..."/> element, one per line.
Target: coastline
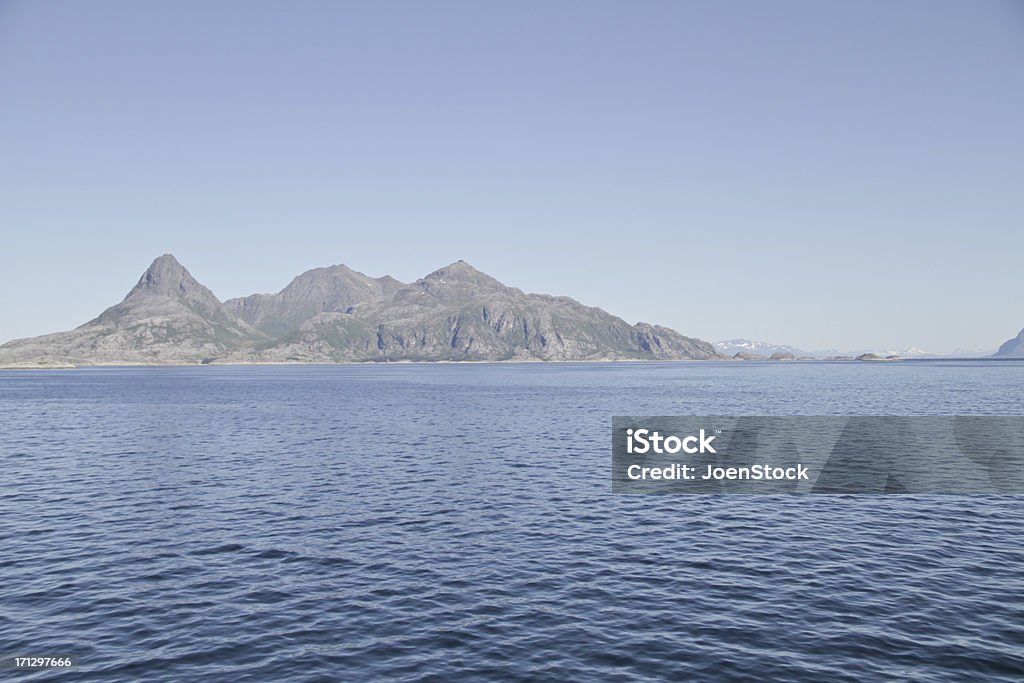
<point x="741" y="361"/>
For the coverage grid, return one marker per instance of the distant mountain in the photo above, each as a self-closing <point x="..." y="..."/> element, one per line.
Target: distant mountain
<point x="337" y="314"/>
<point x="966" y="353"/>
<point x="745" y="349"/>
<point x="905" y="352"/>
<point x="955" y="353"/>
<point x="731" y="347"/>
<point x="1012" y="348"/>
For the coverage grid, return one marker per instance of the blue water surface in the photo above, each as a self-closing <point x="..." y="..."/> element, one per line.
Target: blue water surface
<point x="456" y="523"/>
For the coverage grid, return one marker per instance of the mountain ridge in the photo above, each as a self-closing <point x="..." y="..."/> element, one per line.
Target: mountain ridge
<point x="315" y="291"/>
<point x="337" y="314"/>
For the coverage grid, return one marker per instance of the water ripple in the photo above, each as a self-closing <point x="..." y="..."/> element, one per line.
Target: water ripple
<point x="455" y="523"/>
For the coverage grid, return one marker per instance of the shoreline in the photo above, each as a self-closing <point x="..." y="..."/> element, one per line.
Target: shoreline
<point x="134" y="364"/>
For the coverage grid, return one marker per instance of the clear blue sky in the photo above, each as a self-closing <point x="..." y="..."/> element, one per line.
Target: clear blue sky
<point x="824" y="174"/>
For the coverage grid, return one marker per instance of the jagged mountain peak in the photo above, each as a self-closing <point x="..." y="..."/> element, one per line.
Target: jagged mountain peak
<point x="168" y="317"/>
<point x="166" y="276"/>
<point x="168" y="283"/>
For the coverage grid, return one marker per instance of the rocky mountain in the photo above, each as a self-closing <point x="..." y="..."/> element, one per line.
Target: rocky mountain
<point x="320" y="290"/>
<point x="168" y="317"/>
<point x="336" y="314"/>
<point x="460" y="313"/>
<point x="1012" y="348"/>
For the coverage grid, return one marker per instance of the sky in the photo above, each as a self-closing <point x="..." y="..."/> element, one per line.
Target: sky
<point x="822" y="174"/>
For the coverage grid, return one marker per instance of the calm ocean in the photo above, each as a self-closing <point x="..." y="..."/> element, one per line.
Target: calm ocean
<point x="456" y="523"/>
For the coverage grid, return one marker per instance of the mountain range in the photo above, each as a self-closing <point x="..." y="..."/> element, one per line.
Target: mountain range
<point x="337" y="314"/>
<point x="754" y="349"/>
<point x="749" y="349"/>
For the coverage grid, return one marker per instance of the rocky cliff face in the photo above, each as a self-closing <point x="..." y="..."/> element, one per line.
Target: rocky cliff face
<point x="337" y="314"/>
<point x="1012" y="348"/>
<point x="460" y="313"/>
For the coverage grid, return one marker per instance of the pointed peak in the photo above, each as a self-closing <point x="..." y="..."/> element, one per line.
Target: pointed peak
<point x="168" y="277"/>
<point x="165" y="265"/>
<point x="166" y="259"/>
